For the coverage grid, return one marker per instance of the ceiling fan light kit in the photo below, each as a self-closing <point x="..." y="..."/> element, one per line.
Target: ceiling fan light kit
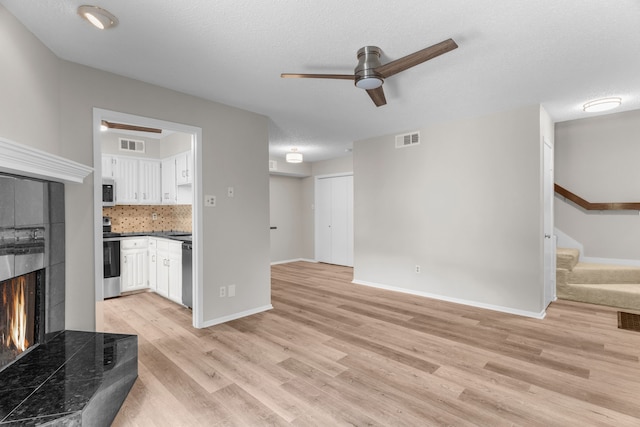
<point x="369" y="74"/>
<point x="603" y="104"/>
<point x="293" y="156"/>
<point x="98" y="17"/>
<point x="365" y="73"/>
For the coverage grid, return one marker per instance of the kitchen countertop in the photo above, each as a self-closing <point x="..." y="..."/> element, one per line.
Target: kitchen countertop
<point x="182" y="236"/>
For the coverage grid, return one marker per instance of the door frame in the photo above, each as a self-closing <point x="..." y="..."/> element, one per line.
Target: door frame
<point x="549" y="237"/>
<point x="316" y="221"/>
<point x="100" y="114"/>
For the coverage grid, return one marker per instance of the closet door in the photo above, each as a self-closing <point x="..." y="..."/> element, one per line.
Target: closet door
<point x="334" y="205"/>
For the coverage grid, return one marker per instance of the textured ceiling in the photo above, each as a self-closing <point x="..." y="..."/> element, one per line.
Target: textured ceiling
<point x="511" y="53"/>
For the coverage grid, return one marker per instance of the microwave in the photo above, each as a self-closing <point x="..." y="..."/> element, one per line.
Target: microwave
<point x="108" y="192"/>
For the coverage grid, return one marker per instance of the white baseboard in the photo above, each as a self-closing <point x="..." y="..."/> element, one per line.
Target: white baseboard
<point x="502" y="309"/>
<point x="287" y="261"/>
<point x="235" y="316"/>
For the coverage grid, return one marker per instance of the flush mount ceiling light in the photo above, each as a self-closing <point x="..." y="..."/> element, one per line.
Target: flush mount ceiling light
<point x="294" y="156"/>
<point x="98" y="17"/>
<point x="603" y="104"/>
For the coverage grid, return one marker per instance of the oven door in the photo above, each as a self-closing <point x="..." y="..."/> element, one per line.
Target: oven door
<point x="111" y="262"/>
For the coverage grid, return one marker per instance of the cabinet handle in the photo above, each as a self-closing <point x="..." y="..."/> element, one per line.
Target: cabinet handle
<point x="153" y="258"/>
<point x="136" y="196"/>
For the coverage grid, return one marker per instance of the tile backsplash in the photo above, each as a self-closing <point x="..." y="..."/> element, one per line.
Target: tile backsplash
<point x="137" y="218"/>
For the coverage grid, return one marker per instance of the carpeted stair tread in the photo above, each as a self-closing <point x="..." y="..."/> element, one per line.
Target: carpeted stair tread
<point x="567" y="258"/>
<point x="621" y="295"/>
<point x="603" y="274"/>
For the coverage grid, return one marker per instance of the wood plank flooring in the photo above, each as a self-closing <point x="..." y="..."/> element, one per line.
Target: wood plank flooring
<point x="332" y="353"/>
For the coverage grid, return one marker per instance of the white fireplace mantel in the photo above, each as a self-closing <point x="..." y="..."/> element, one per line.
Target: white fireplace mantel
<point x="19" y="159"/>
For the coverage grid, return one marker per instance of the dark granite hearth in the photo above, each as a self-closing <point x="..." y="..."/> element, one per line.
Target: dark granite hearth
<point x="76" y="378"/>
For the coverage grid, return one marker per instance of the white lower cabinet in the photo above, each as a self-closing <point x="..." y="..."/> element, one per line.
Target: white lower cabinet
<point x="169" y="269"/>
<point x="153" y="264"/>
<point x="133" y="262"/>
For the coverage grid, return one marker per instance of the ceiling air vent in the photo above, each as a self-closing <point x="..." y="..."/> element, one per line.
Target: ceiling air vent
<point x="407" y="140"/>
<point x="134" y="145"/>
<point x="273" y="165"/>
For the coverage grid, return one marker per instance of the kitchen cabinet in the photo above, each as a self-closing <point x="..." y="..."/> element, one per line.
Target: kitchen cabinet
<point x="169" y="269"/>
<point x="169" y="185"/>
<point x="184" y="168"/>
<point x="108" y="166"/>
<point x="153" y="264"/>
<point x="134" y="269"/>
<point x="149" y="182"/>
<point x="126" y="181"/>
<point x="137" y="180"/>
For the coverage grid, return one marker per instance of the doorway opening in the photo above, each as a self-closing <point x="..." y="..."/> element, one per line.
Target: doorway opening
<point x="174" y="210"/>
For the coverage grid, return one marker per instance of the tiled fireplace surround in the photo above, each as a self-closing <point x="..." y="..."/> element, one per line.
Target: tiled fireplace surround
<point x="73" y="378"/>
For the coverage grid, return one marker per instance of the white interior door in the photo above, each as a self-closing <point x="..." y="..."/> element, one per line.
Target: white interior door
<point x="334" y="220"/>
<point x="549" y="238"/>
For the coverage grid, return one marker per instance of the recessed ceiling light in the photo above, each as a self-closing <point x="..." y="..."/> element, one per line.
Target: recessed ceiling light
<point x="98" y="17"/>
<point x="603" y="104"/>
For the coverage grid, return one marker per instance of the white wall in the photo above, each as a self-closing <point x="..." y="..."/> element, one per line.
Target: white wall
<point x="465" y="205"/>
<point x="48" y="103"/>
<point x="597" y="159"/>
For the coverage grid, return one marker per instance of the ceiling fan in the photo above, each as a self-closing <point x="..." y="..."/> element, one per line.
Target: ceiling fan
<point x="123" y="126"/>
<point x="369" y="74"/>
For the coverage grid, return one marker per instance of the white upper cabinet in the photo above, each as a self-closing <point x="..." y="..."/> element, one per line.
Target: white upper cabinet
<point x="149" y="182"/>
<point x="141" y="181"/>
<point x="127" y="181"/>
<point x="169" y="181"/>
<point x="184" y="168"/>
<point x="108" y="166"/>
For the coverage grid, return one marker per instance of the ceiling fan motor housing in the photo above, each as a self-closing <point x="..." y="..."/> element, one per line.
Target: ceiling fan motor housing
<point x="366" y="76"/>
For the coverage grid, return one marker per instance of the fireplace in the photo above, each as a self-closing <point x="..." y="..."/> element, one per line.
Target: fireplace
<point x="49" y="375"/>
<point x="20" y="316"/>
<point x="32" y="264"/>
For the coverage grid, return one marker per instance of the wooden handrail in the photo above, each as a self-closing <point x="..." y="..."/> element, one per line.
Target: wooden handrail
<point x="632" y="206"/>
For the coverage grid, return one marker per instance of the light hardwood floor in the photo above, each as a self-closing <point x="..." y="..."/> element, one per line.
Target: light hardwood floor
<point x="332" y="353"/>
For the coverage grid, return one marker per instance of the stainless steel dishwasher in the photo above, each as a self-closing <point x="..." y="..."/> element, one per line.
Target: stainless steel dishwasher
<point x="187" y="274"/>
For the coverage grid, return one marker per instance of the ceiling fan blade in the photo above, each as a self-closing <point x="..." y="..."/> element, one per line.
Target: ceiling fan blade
<point x="122" y="126"/>
<point x="411" y="60"/>
<point x="318" y="76"/>
<point x="377" y="96"/>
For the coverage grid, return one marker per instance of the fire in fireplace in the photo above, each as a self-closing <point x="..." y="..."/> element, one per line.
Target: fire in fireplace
<point x="20" y="319"/>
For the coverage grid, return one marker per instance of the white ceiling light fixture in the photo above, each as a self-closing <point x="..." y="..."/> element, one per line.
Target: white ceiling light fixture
<point x="98" y="17"/>
<point x="603" y="104"/>
<point x="293" y="156"/>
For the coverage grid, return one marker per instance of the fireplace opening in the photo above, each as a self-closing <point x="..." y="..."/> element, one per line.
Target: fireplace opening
<point x="21" y="319"/>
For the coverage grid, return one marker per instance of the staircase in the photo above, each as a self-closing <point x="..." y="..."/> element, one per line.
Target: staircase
<point x="605" y="284"/>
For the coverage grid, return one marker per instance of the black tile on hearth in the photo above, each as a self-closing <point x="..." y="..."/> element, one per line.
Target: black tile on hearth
<point x="10" y="398"/>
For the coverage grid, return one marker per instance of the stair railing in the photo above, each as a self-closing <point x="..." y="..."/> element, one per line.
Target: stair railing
<point x="632" y="206"/>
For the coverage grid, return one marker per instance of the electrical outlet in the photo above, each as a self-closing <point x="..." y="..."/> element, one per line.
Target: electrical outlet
<point x="417" y="269"/>
<point x="232" y="291"/>
<point x="210" y="201"/>
<point x="154" y="216"/>
<point x="223" y="291"/>
<point x="230" y="192"/>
